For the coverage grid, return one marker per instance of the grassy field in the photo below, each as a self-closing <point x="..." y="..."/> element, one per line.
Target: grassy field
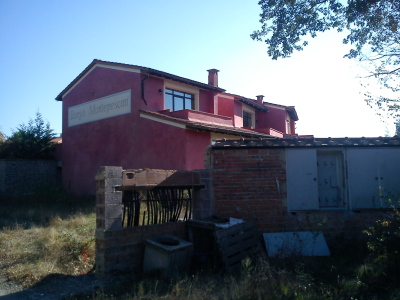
<point x="45" y="234"/>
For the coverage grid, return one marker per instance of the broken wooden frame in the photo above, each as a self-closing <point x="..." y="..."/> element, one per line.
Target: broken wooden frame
<point x="157" y="196"/>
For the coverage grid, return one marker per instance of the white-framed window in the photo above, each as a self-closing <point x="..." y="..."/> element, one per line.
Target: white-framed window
<point x="248" y="115"/>
<point x="180" y="96"/>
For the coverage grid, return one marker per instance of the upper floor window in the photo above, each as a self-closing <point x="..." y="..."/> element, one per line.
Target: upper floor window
<point x="247" y="119"/>
<point x="176" y="100"/>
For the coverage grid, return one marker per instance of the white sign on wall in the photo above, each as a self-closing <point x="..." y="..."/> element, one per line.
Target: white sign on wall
<point x="103" y="108"/>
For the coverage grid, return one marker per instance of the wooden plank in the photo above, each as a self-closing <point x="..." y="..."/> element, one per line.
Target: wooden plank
<point x="150" y="187"/>
<point x="240" y="237"/>
<point x="236" y="260"/>
<point x="238" y="246"/>
<point x="233" y="230"/>
<point x="143" y="177"/>
<point x="236" y="243"/>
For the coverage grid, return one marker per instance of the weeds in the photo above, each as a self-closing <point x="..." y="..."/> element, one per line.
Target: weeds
<point x="383" y="262"/>
<point x="41" y="237"/>
<point x="58" y="237"/>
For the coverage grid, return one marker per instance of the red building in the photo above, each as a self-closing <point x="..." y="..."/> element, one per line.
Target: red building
<point x="137" y="117"/>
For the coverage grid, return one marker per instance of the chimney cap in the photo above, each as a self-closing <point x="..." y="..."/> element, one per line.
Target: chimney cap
<point x="260" y="99"/>
<point x="213" y="77"/>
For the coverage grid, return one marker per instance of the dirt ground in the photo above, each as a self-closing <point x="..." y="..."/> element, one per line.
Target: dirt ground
<point x="53" y="287"/>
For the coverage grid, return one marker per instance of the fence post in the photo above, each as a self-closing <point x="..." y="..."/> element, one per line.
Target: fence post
<point x="108" y="212"/>
<point x="203" y="204"/>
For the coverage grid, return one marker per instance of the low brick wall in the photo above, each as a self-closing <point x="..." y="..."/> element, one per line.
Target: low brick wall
<point x="250" y="184"/>
<point x="121" y="249"/>
<point x="22" y="176"/>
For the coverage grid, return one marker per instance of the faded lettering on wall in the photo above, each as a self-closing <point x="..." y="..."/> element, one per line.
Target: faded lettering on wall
<point x="103" y="108"/>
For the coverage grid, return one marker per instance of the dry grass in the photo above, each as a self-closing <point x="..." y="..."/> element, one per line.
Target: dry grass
<point x="42" y="238"/>
<point x="38" y="238"/>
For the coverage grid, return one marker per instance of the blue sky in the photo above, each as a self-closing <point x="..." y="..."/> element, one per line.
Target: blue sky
<point x="45" y="44"/>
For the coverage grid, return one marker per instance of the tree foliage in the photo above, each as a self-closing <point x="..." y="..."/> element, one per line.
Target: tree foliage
<point x="373" y="28"/>
<point x="2" y="137"/>
<point x="29" y="141"/>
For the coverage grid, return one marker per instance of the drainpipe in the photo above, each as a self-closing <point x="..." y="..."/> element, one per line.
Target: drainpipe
<point x="147" y="76"/>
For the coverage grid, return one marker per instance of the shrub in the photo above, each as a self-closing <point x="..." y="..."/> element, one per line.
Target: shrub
<point x="29" y="141"/>
<point x="383" y="243"/>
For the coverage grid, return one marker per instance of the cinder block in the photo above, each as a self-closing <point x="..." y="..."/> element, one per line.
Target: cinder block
<point x="113" y="224"/>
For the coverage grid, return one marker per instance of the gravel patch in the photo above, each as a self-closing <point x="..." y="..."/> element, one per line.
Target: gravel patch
<point x="8" y="287"/>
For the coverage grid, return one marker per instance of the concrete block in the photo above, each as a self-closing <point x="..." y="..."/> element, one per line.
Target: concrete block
<point x="168" y="254"/>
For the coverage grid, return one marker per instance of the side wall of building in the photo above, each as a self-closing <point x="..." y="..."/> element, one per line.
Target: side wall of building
<point x="275" y="118"/>
<point x="126" y="139"/>
<point x="251" y="184"/>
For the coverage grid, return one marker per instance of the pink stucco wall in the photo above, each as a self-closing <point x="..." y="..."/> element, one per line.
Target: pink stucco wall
<point x="275" y="118"/>
<point x="206" y="102"/>
<point x="126" y="140"/>
<point x="195" y="142"/>
<point x="132" y="141"/>
<point x="226" y="106"/>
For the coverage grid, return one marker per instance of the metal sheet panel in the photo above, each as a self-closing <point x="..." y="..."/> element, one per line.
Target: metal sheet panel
<point x="302" y="185"/>
<point x="363" y="178"/>
<point x="389" y="174"/>
<point x="330" y="179"/>
<point x="305" y="243"/>
<point x="371" y="172"/>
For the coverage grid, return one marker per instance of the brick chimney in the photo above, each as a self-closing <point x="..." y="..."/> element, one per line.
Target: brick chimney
<point x="213" y="77"/>
<point x="260" y="99"/>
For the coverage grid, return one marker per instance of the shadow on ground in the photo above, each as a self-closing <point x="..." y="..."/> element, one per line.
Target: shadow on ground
<point x="57" y="286"/>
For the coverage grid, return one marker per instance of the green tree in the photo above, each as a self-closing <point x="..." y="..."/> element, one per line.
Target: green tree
<point x="373" y="28"/>
<point x="29" y="141"/>
<point x="2" y="137"/>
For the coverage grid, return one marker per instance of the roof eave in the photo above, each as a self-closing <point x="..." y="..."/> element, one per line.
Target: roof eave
<point x="199" y="127"/>
<point x="227" y="131"/>
<point x="165" y="75"/>
<point x="149" y="71"/>
<point x="60" y="95"/>
<point x="292" y="113"/>
<point x="252" y="103"/>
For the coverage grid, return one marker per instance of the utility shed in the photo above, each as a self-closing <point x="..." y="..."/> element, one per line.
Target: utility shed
<point x="341" y="177"/>
<point x="337" y="185"/>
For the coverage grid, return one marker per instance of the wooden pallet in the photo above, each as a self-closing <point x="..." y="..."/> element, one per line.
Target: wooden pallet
<point x="236" y="243"/>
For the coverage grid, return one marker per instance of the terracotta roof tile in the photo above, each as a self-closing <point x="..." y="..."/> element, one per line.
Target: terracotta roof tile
<point x="309" y="142"/>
